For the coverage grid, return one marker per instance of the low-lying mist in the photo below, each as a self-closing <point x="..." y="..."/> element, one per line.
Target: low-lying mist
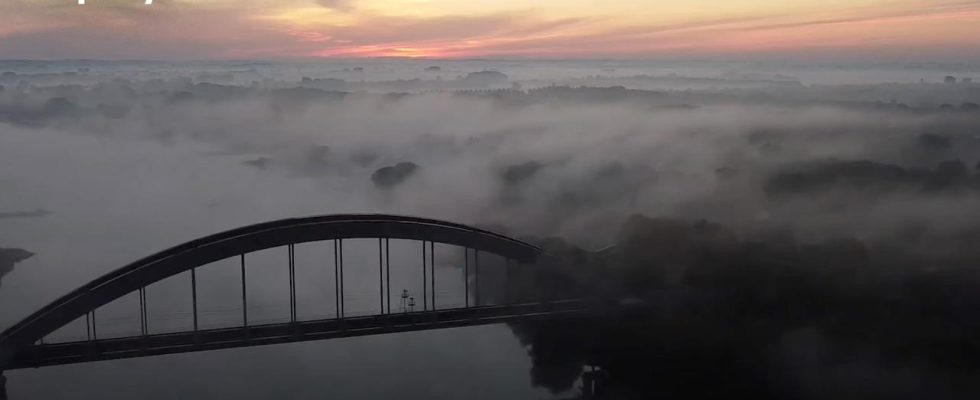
<point x="563" y="161"/>
<point x="806" y="208"/>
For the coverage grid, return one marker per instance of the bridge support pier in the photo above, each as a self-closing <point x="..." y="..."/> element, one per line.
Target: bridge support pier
<point x="3" y="386"/>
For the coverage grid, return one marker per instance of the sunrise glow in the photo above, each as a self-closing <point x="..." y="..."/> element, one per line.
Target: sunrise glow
<point x="222" y="29"/>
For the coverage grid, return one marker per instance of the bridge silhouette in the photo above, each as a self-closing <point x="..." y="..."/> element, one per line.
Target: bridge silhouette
<point x="23" y="346"/>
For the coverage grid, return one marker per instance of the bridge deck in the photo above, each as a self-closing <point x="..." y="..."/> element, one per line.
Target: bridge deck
<point x="212" y="339"/>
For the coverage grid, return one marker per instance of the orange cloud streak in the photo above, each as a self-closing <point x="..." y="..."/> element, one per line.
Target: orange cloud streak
<point x="375" y="28"/>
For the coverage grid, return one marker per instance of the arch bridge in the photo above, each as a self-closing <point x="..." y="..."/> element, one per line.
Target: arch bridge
<point x="23" y="345"/>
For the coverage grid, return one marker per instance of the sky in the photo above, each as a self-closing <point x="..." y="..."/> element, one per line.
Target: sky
<point x="890" y="30"/>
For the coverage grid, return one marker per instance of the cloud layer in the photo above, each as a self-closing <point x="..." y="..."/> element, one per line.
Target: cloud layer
<point x="182" y="29"/>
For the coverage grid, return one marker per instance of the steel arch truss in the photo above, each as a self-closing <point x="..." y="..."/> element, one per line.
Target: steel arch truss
<point x="81" y="302"/>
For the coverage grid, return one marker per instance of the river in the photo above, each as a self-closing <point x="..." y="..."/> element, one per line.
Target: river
<point x="112" y="201"/>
